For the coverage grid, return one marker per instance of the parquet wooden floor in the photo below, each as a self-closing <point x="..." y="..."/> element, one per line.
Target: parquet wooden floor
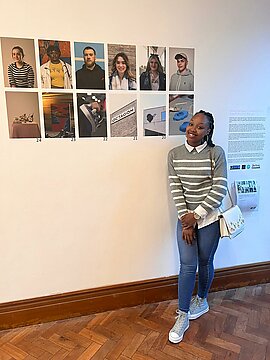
<point x="236" y="327"/>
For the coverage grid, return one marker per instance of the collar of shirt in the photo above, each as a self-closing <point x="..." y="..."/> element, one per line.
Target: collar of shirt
<point x="197" y="148"/>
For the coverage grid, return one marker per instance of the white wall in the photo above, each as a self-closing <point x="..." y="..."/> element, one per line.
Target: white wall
<point x="77" y="215"/>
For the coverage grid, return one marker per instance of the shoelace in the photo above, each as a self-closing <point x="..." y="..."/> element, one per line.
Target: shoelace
<point x="196" y="300"/>
<point x="181" y="318"/>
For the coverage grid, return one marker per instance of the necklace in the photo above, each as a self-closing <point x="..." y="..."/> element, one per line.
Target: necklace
<point x="154" y="78"/>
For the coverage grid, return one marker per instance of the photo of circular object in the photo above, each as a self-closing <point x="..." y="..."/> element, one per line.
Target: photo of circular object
<point x="149" y="117"/>
<point x="180" y="115"/>
<point x="183" y="126"/>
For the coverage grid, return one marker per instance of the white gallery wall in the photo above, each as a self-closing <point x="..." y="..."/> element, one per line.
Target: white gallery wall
<point x="88" y="213"/>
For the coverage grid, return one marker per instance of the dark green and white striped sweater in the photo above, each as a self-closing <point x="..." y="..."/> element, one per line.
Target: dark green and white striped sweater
<point x="192" y="182"/>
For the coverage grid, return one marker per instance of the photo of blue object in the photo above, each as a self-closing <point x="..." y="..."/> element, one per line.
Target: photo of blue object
<point x="163" y="116"/>
<point x="183" y="126"/>
<point x="180" y="115"/>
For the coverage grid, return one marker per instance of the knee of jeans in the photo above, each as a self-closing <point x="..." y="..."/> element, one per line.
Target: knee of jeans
<point x="188" y="268"/>
<point x="204" y="261"/>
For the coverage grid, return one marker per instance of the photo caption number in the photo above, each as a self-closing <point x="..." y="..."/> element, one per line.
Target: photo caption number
<point x="135" y="137"/>
<point x="38" y="139"/>
<point x="163" y="137"/>
<point x="73" y="138"/>
<point x="105" y="138"/>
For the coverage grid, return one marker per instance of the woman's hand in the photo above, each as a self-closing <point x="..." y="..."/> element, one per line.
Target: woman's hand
<point x="188" y="235"/>
<point x="188" y="220"/>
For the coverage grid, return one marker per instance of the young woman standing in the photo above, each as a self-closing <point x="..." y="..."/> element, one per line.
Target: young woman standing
<point x="198" y="183"/>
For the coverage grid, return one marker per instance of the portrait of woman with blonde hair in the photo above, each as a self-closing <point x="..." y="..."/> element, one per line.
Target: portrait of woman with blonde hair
<point x="154" y="77"/>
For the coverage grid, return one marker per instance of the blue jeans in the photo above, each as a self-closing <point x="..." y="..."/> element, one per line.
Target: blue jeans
<point x="200" y="253"/>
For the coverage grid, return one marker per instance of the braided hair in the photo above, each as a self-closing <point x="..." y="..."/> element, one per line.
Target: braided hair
<point x="210" y="118"/>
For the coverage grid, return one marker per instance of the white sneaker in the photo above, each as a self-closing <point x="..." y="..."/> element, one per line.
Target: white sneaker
<point x="181" y="325"/>
<point x="198" y="307"/>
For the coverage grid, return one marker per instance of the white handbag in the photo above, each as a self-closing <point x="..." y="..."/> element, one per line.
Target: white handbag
<point x="231" y="222"/>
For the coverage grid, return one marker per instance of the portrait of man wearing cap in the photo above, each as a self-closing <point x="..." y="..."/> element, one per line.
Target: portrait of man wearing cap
<point x="183" y="79"/>
<point x="55" y="73"/>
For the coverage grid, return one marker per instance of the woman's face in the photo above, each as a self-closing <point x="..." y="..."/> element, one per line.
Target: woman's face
<point x="17" y="55"/>
<point x="153" y="64"/>
<point x="197" y="129"/>
<point x="121" y="66"/>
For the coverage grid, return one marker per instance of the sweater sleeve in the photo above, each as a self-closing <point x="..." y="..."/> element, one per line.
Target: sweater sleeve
<point x="10" y="76"/>
<point x="219" y="183"/>
<point x="176" y="188"/>
<point x="30" y="77"/>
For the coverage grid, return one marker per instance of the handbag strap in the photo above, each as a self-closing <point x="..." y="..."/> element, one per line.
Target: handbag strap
<point x="212" y="175"/>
